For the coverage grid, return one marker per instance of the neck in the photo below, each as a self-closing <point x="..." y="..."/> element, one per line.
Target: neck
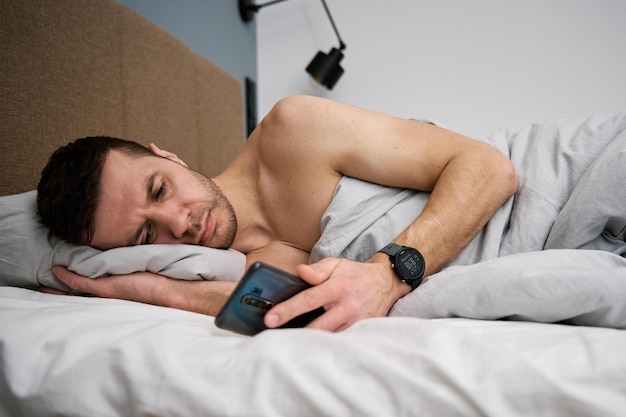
<point x="253" y="229"/>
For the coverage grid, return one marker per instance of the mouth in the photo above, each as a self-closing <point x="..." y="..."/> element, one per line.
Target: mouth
<point x="208" y="230"/>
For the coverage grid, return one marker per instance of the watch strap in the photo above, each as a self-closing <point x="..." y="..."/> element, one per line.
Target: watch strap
<point x="391" y="249"/>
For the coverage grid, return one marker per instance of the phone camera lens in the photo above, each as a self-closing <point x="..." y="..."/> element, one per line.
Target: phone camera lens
<point x="257" y="302"/>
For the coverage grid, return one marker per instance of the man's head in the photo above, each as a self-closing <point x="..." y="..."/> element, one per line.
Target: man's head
<point x="69" y="187"/>
<point x="109" y="192"/>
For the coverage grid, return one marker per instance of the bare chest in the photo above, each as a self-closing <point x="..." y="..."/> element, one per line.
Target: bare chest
<point x="279" y="254"/>
<point x="294" y="209"/>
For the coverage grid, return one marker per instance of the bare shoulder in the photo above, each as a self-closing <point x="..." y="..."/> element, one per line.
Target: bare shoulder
<point x="293" y="145"/>
<point x="293" y="178"/>
<point x="331" y="139"/>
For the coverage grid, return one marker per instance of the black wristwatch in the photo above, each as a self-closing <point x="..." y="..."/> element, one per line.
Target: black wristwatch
<point x="408" y="263"/>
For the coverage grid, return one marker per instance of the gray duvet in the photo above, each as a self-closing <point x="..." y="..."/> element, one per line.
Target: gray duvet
<point x="552" y="253"/>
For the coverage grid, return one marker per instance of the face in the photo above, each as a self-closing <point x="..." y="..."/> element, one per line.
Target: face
<point x="149" y="199"/>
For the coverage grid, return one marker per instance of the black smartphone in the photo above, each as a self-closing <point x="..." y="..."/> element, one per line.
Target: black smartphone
<point x="260" y="289"/>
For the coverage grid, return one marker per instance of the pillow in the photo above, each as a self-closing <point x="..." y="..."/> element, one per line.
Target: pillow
<point x="573" y="286"/>
<point x="28" y="251"/>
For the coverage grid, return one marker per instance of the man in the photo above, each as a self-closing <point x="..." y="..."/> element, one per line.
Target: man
<point x="268" y="204"/>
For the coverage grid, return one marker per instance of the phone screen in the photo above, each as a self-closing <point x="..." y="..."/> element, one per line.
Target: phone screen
<point x="261" y="288"/>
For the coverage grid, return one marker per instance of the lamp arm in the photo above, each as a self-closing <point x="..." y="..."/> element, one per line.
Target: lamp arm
<point x="269" y="3"/>
<point x="247" y="9"/>
<point x="324" y="68"/>
<point x="342" y="45"/>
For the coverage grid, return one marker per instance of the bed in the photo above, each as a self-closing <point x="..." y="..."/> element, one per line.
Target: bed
<point x="528" y="321"/>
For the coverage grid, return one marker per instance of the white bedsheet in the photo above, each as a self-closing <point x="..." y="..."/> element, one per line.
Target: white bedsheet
<point x="114" y="358"/>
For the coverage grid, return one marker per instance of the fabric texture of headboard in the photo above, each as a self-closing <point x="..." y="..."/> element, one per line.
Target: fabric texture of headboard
<point x="74" y="68"/>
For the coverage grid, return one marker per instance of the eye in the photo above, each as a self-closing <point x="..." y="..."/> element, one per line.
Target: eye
<point x="148" y="237"/>
<point x="160" y="191"/>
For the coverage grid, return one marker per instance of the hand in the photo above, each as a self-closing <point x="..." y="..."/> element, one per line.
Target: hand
<point x="349" y="291"/>
<point x="206" y="297"/>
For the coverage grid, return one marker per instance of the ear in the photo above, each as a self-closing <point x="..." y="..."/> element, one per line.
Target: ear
<point x="167" y="154"/>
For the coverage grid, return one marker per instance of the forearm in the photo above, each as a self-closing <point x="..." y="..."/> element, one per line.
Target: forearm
<point x="468" y="192"/>
<point x="205" y="297"/>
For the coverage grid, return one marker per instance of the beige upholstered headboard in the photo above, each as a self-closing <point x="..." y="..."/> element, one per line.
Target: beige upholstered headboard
<point x="74" y="68"/>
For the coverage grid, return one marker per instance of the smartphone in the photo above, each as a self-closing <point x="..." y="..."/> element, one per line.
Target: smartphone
<point x="260" y="289"/>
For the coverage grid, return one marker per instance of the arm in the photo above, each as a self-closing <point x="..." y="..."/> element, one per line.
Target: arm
<point x="468" y="181"/>
<point x="206" y="297"/>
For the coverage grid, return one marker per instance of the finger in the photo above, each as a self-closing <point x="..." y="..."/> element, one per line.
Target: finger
<point x="318" y="272"/>
<point x="81" y="285"/>
<point x="319" y="295"/>
<point x="51" y="291"/>
<point x="74" y="281"/>
<point x="303" y="302"/>
<point x="310" y="274"/>
<point x="332" y="320"/>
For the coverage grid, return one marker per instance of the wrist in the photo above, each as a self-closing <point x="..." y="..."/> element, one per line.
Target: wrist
<point x="385" y="269"/>
<point x="407" y="263"/>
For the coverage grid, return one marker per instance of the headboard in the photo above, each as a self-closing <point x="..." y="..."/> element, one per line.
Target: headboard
<point x="74" y="68"/>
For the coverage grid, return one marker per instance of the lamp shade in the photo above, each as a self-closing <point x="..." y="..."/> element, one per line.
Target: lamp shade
<point x="325" y="68"/>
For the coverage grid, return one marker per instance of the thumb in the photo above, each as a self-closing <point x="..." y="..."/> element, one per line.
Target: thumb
<point x="318" y="272"/>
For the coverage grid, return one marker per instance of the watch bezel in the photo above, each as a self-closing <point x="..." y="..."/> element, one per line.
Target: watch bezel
<point x="400" y="266"/>
<point x="412" y="277"/>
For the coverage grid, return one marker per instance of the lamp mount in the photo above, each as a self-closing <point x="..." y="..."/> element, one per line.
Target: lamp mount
<point x="247" y="10"/>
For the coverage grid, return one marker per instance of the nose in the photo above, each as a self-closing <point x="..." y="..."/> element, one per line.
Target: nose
<point x="172" y="222"/>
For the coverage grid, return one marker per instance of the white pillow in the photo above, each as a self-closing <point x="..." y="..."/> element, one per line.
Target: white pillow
<point x="28" y="251"/>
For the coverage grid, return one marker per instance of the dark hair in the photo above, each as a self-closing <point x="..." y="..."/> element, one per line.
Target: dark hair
<point x="69" y="188"/>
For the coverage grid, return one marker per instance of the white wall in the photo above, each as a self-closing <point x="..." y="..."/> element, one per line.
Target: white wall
<point x="474" y="65"/>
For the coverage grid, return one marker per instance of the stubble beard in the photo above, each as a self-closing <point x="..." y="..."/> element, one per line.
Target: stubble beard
<point x="226" y="229"/>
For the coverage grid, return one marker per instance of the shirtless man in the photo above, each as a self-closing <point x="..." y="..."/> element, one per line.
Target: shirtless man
<point x="268" y="204"/>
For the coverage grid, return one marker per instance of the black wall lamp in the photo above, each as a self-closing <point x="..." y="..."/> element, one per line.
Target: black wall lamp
<point x="325" y="68"/>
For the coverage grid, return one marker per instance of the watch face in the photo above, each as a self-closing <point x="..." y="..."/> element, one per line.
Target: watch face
<point x="410" y="264"/>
